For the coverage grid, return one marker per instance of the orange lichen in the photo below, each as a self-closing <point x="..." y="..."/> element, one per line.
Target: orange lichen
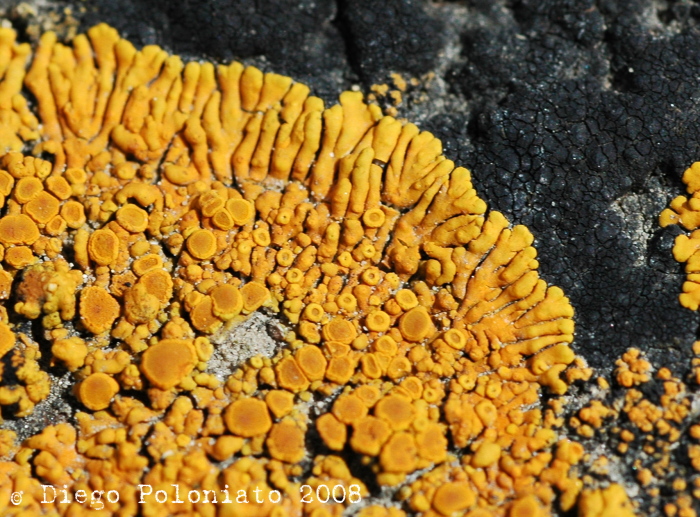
<point x="248" y="417"/>
<point x="685" y="212"/>
<point x="59" y="187"/>
<point x="97" y="391"/>
<point x="369" y="435"/>
<point x="399" y="454"/>
<point x="227" y="301"/>
<point x="396" y="410"/>
<point x="7" y="339"/>
<point x="140" y="306"/>
<point x="202" y="244"/>
<point x="605" y="502"/>
<point x="168" y="362"/>
<point x="241" y="210"/>
<point x="312" y="362"/>
<point x="416" y="324"/>
<point x="340" y="330"/>
<point x="18" y="229"/>
<point x="332" y="432"/>
<point x="158" y="283"/>
<point x="254" y="295"/>
<point x="286" y="442"/>
<point x="632" y="369"/>
<point x="74" y="214"/>
<point x="279" y="402"/>
<point x="203" y="317"/>
<point x="453" y="497"/>
<point x="103" y="247"/>
<point x="26" y="189"/>
<point x="349" y="408"/>
<point x="290" y="375"/>
<point x="190" y="196"/>
<point x="71" y="352"/>
<point x="42" y="208"/>
<point x="98" y="309"/>
<point x="19" y="257"/>
<point x="132" y="218"/>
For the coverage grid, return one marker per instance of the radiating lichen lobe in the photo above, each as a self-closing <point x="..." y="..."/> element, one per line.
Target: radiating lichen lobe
<point x="178" y="199"/>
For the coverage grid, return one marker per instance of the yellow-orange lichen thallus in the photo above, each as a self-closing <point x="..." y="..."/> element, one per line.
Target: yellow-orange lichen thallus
<point x="181" y="198"/>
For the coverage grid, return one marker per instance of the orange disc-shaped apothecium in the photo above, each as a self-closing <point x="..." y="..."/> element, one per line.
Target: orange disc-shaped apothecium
<point x="406" y="299"/>
<point x="431" y="443"/>
<point x="456" y="338"/>
<point x="59" y="187"/>
<point x="202" y="244"/>
<point x="227" y="301"/>
<point x="340" y="330"/>
<point x="333" y="433"/>
<point x="254" y="295"/>
<point x="369" y="434"/>
<point x="280" y="402"/>
<point x="385" y="345"/>
<point x="159" y="283"/>
<point x="413" y="386"/>
<point x="19" y="257"/>
<point x="222" y="219"/>
<point x="347" y="302"/>
<point x="416" y="324"/>
<point x="74" y="214"/>
<point x="400" y="453"/>
<point x="202" y="317"/>
<point x="374" y="218"/>
<point x="98" y="309"/>
<point x="349" y="409"/>
<point x="368" y="394"/>
<point x="97" y="391"/>
<point x="453" y="497"/>
<point x="378" y="321"/>
<point x="167" y="362"/>
<point x="42" y="208"/>
<point x="56" y="226"/>
<point x="290" y="376"/>
<point x="103" y="247"/>
<point x="313" y="312"/>
<point x="312" y="362"/>
<point x="241" y="211"/>
<point x="286" y="442"/>
<point x="248" y="417"/>
<point x="26" y="189"/>
<point x="340" y="369"/>
<point x="397" y="410"/>
<point x="18" y="229"/>
<point x="144" y="264"/>
<point x="132" y="218"/>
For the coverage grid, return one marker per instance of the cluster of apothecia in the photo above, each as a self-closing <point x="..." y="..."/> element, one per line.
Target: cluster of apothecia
<point x="685" y="212"/>
<point x="161" y="203"/>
